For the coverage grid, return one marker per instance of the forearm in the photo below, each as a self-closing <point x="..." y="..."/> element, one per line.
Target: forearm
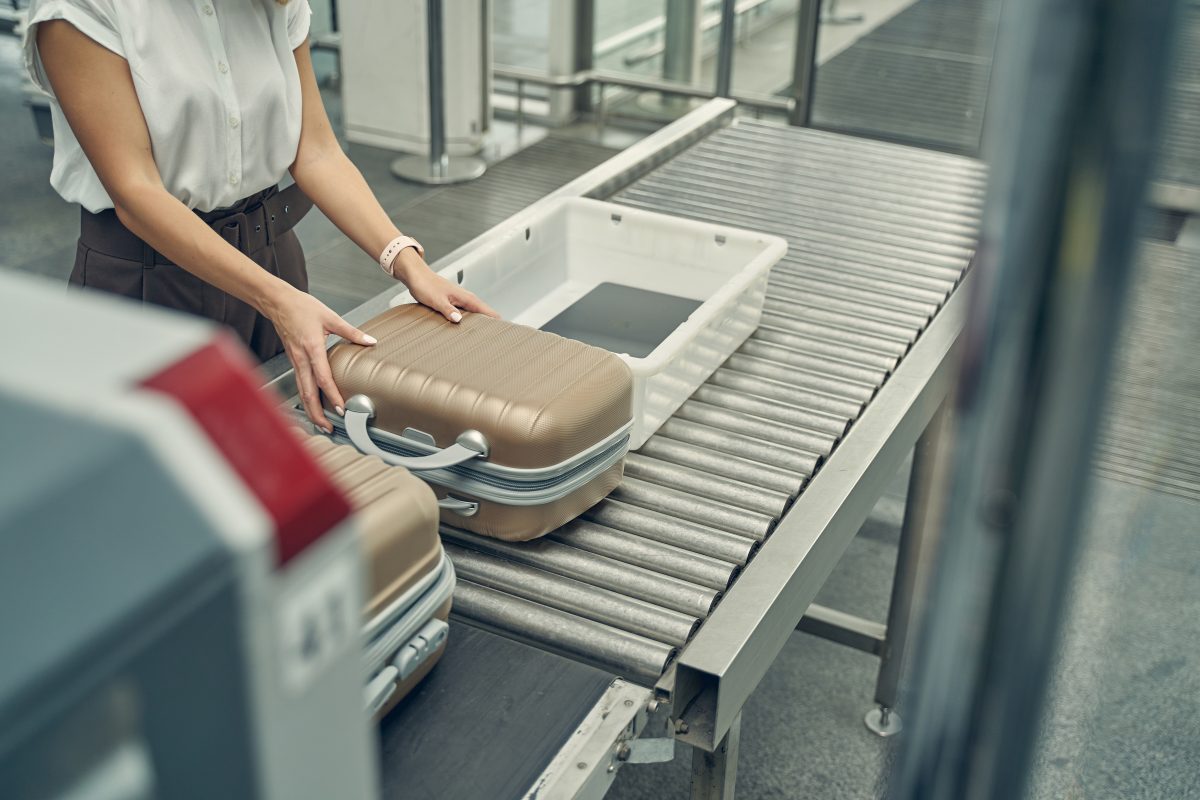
<point x="173" y="230"/>
<point x="336" y="186"/>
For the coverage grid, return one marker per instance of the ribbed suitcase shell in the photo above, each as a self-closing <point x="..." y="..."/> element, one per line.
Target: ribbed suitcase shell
<point x="539" y="399"/>
<point x="398" y="515"/>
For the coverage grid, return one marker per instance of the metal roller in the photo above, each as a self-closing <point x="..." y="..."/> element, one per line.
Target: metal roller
<point x="834" y="426"/>
<point x="607" y="573"/>
<point x="818" y="190"/>
<point x="786" y="392"/>
<point x="823" y="347"/>
<point x="877" y="300"/>
<point x="785" y="296"/>
<point x="807" y="441"/>
<point x="633" y="549"/>
<point x="671" y="530"/>
<point x="567" y="594"/>
<point x="693" y="481"/>
<point x="871" y="244"/>
<point x="796" y="376"/>
<point x="824" y="365"/>
<point x="723" y="465"/>
<point x="634" y="657"/>
<point x="927" y="166"/>
<point x="694" y="186"/>
<point x="886" y="286"/>
<point x="789" y="459"/>
<point x="845" y="318"/>
<point x="870" y="263"/>
<point x="694" y="508"/>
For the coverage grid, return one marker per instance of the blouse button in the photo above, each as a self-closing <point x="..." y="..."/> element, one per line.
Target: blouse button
<point x="223" y="67"/>
<point x="208" y="10"/>
<point x="233" y="179"/>
<point x="233" y="122"/>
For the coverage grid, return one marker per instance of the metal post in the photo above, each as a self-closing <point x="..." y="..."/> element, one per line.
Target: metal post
<point x="804" y="62"/>
<point x="439" y="168"/>
<point x="714" y="774"/>
<point x="918" y="513"/>
<point x="520" y="109"/>
<point x="725" y="49"/>
<point x="681" y="54"/>
<point x="585" y="46"/>
<point x="1073" y="149"/>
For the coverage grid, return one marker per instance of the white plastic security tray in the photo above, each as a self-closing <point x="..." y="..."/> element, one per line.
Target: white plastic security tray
<point x="536" y="270"/>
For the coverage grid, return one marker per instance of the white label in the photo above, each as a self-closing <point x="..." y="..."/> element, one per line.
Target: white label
<point x="318" y="620"/>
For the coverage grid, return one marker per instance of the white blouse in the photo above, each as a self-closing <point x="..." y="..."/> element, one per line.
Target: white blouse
<point x="218" y="86"/>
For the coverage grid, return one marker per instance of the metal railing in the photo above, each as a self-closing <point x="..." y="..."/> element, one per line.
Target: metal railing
<point x="796" y="107"/>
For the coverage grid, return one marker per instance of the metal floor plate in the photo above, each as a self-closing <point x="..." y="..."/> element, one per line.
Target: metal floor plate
<point x="879" y="237"/>
<point x="920" y="77"/>
<point x="1151" y="433"/>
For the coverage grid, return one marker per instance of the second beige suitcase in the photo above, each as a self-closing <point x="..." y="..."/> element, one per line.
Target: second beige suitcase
<point x="518" y="430"/>
<point x="410" y="578"/>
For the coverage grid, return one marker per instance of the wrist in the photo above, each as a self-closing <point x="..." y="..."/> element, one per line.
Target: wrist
<point x="406" y="264"/>
<point x="271" y="296"/>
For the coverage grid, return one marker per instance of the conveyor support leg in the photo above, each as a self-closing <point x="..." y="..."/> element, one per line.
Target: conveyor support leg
<point x="714" y="774"/>
<point x="918" y="509"/>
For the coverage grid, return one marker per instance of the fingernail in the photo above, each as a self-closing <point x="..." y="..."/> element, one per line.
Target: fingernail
<point x="341" y="412"/>
<point x="456" y="317"/>
<point x="369" y="339"/>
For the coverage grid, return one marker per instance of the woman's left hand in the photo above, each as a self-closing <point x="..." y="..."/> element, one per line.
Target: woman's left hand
<point x="434" y="291"/>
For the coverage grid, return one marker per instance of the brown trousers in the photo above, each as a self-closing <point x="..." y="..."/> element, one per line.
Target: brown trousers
<point x="111" y="258"/>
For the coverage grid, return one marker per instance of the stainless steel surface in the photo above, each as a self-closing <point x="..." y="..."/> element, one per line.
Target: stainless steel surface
<point x="788" y="357"/>
<point x="853" y="391"/>
<point x="735" y="468"/>
<point x="665" y="559"/>
<point x="824" y="424"/>
<point x="714" y="774"/>
<point x="694" y="508"/>
<point x="844" y="629"/>
<point x="658" y="527"/>
<point x="641" y="659"/>
<point x="782" y="298"/>
<point x="791" y="460"/>
<point x="904" y="331"/>
<point x="773" y="431"/>
<point x="725" y="48"/>
<point x="602" y="571"/>
<point x="586" y="766"/>
<point x="912" y="561"/>
<point x="724" y="490"/>
<point x="822" y="345"/>
<point x="566" y="594"/>
<point x="804" y="61"/>
<point x="792" y="392"/>
<point x="438" y="169"/>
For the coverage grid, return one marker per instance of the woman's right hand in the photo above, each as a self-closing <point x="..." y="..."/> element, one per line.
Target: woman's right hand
<point x="302" y="322"/>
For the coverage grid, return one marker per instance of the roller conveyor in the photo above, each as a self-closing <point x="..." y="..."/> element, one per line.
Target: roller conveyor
<point x="639" y="586"/>
<point x="720" y="467"/>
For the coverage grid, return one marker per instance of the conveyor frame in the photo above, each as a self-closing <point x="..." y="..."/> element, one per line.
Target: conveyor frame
<point x="706" y="688"/>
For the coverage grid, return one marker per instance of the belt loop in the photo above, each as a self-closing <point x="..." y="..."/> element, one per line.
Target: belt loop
<point x="147" y="256"/>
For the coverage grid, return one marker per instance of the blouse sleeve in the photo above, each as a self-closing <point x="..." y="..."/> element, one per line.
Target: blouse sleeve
<point x="299" y="18"/>
<point x="95" y="19"/>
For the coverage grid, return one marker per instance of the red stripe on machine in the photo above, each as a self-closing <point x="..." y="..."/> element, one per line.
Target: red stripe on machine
<point x="217" y="385"/>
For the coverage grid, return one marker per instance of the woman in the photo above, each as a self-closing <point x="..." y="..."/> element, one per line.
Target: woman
<point x="173" y="124"/>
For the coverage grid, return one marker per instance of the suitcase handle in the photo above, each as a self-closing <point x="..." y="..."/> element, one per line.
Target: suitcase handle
<point x="360" y="410"/>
